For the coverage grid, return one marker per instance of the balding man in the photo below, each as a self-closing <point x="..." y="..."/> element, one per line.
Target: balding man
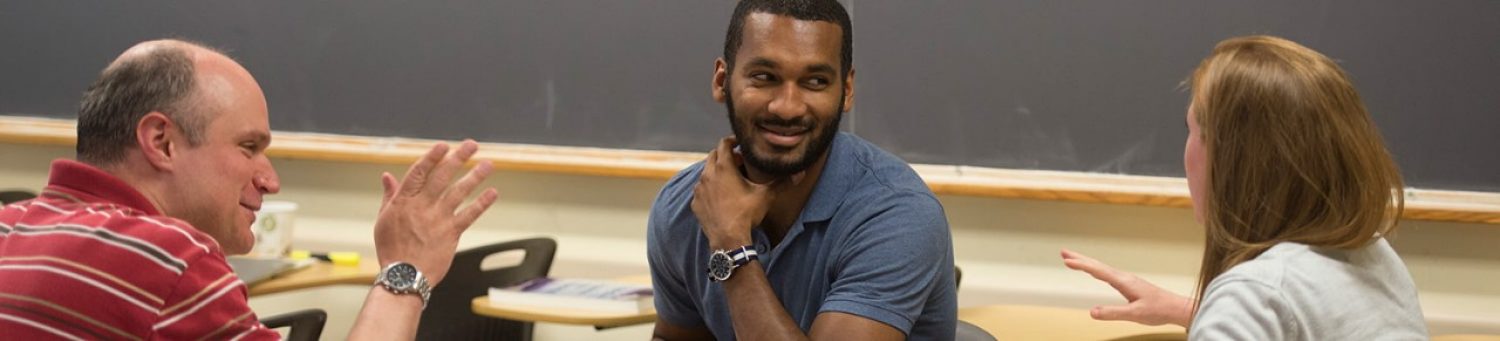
<point x="128" y="242"/>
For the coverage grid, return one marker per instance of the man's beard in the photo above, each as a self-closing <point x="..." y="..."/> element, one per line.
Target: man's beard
<point x="820" y="141"/>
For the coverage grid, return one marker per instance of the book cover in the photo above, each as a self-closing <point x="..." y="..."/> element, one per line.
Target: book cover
<point x="597" y="295"/>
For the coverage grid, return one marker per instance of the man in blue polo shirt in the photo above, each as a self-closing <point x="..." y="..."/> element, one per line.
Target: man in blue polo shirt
<point x="790" y="229"/>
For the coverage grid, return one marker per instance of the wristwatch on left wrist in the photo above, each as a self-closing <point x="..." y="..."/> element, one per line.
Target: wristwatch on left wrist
<point x="403" y="278"/>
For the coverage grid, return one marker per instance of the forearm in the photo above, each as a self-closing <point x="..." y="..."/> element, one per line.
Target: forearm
<point x="756" y="311"/>
<point x="387" y="316"/>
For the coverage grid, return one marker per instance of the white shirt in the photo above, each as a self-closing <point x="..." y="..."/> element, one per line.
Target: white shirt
<point x="1299" y="292"/>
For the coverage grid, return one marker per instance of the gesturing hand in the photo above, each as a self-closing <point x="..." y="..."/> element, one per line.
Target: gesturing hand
<point x="726" y="203"/>
<point x="1149" y="304"/>
<point x="420" y="217"/>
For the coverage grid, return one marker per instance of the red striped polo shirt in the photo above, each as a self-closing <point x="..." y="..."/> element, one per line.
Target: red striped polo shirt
<point x="91" y="258"/>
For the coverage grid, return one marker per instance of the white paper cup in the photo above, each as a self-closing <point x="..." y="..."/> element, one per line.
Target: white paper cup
<point x="273" y="229"/>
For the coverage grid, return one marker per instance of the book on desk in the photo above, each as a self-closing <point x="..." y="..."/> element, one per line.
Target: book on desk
<point x="582" y="294"/>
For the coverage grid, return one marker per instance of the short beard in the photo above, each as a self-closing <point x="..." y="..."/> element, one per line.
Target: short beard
<point x="777" y="168"/>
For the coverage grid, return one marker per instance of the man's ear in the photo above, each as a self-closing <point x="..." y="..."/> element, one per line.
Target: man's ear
<point x="153" y="136"/>
<point x="721" y="75"/>
<point x="849" y="91"/>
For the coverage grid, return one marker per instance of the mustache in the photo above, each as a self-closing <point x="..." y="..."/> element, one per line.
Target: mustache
<point x="803" y="122"/>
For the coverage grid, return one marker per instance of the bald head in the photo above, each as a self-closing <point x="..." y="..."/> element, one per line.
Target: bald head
<point x="186" y="82"/>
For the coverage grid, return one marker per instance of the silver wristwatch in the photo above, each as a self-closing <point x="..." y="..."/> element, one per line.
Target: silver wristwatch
<point x="403" y="278"/>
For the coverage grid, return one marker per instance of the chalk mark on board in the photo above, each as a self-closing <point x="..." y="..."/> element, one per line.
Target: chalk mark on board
<point x="1035" y="146"/>
<point x="551" y="101"/>
<point x="1122" y="163"/>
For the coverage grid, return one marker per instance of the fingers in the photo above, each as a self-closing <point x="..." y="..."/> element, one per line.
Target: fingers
<point x="1069" y="254"/>
<point x="466" y="185"/>
<point x="469" y="214"/>
<point x="1123" y="282"/>
<point x="711" y="160"/>
<point x="725" y="151"/>
<point x="713" y="164"/>
<point x="417" y="176"/>
<point x="1097" y="269"/>
<point x="442" y="175"/>
<point x="1113" y="313"/>
<point x="388" y="182"/>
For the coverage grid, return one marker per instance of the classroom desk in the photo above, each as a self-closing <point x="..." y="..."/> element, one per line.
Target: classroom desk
<point x="1005" y="322"/>
<point x="316" y="275"/>
<point x="482" y="306"/>
<point x="1466" y="337"/>
<point x="1024" y="322"/>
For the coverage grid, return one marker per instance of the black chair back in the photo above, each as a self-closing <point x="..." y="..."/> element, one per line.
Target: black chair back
<point x="14" y="196"/>
<point x="449" y="315"/>
<point x="304" y="325"/>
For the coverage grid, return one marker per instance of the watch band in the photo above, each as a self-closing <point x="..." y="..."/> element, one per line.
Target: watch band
<point x="743" y="255"/>
<point x="418" y="285"/>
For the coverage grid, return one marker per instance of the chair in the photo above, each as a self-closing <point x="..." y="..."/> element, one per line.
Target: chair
<point x="968" y="331"/>
<point x="958" y="276"/>
<point x="1153" y="337"/>
<point x="303" y="325"/>
<point x="13" y="196"/>
<point x="449" y="316"/>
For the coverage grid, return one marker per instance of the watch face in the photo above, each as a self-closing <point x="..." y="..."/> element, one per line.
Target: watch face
<point x="719" y="265"/>
<point x="402" y="276"/>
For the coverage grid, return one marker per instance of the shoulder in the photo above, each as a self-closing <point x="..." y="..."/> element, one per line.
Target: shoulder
<point x="1303" y="271"/>
<point x="886" y="185"/>
<point x="171" y="236"/>
<point x="121" y="234"/>
<point x="678" y="191"/>
<point x="880" y="171"/>
<point x="1268" y="273"/>
<point x="1256" y="283"/>
<point x="1269" y="268"/>
<point x="1271" y="296"/>
<point x="671" y="213"/>
<point x="1241" y="306"/>
<point x="885" y="169"/>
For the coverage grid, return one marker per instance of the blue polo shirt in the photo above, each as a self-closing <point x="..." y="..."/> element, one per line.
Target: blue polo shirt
<point x="872" y="241"/>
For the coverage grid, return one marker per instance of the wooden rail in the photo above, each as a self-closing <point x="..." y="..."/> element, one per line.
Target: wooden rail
<point x="1421" y="204"/>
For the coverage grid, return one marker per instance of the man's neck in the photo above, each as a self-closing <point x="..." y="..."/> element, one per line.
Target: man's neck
<point x="791" y="199"/>
<point x="131" y="175"/>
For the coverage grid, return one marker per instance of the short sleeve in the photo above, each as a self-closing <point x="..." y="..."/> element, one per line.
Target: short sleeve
<point x="892" y="264"/>
<point x="1236" y="308"/>
<point x="674" y="301"/>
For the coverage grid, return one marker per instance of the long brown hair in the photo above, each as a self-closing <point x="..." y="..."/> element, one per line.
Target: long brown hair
<point x="1292" y="155"/>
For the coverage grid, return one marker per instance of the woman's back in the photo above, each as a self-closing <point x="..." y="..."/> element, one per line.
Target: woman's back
<point x="1299" y="292"/>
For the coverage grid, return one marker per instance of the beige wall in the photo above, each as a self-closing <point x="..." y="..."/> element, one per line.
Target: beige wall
<point x="1007" y="248"/>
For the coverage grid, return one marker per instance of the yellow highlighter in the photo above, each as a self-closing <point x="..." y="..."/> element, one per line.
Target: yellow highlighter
<point x="339" y="258"/>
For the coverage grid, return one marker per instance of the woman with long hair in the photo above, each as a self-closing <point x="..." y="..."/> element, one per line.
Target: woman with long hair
<point x="1296" y="191"/>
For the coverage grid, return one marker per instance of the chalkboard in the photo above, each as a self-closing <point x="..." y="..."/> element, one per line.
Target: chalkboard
<point x="1087" y="86"/>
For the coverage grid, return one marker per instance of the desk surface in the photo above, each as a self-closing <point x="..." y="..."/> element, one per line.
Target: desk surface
<point x="316" y="275"/>
<point x="482" y="306"/>
<point x="1022" y="322"/>
<point x="1005" y="322"/>
<point x="1466" y="337"/>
